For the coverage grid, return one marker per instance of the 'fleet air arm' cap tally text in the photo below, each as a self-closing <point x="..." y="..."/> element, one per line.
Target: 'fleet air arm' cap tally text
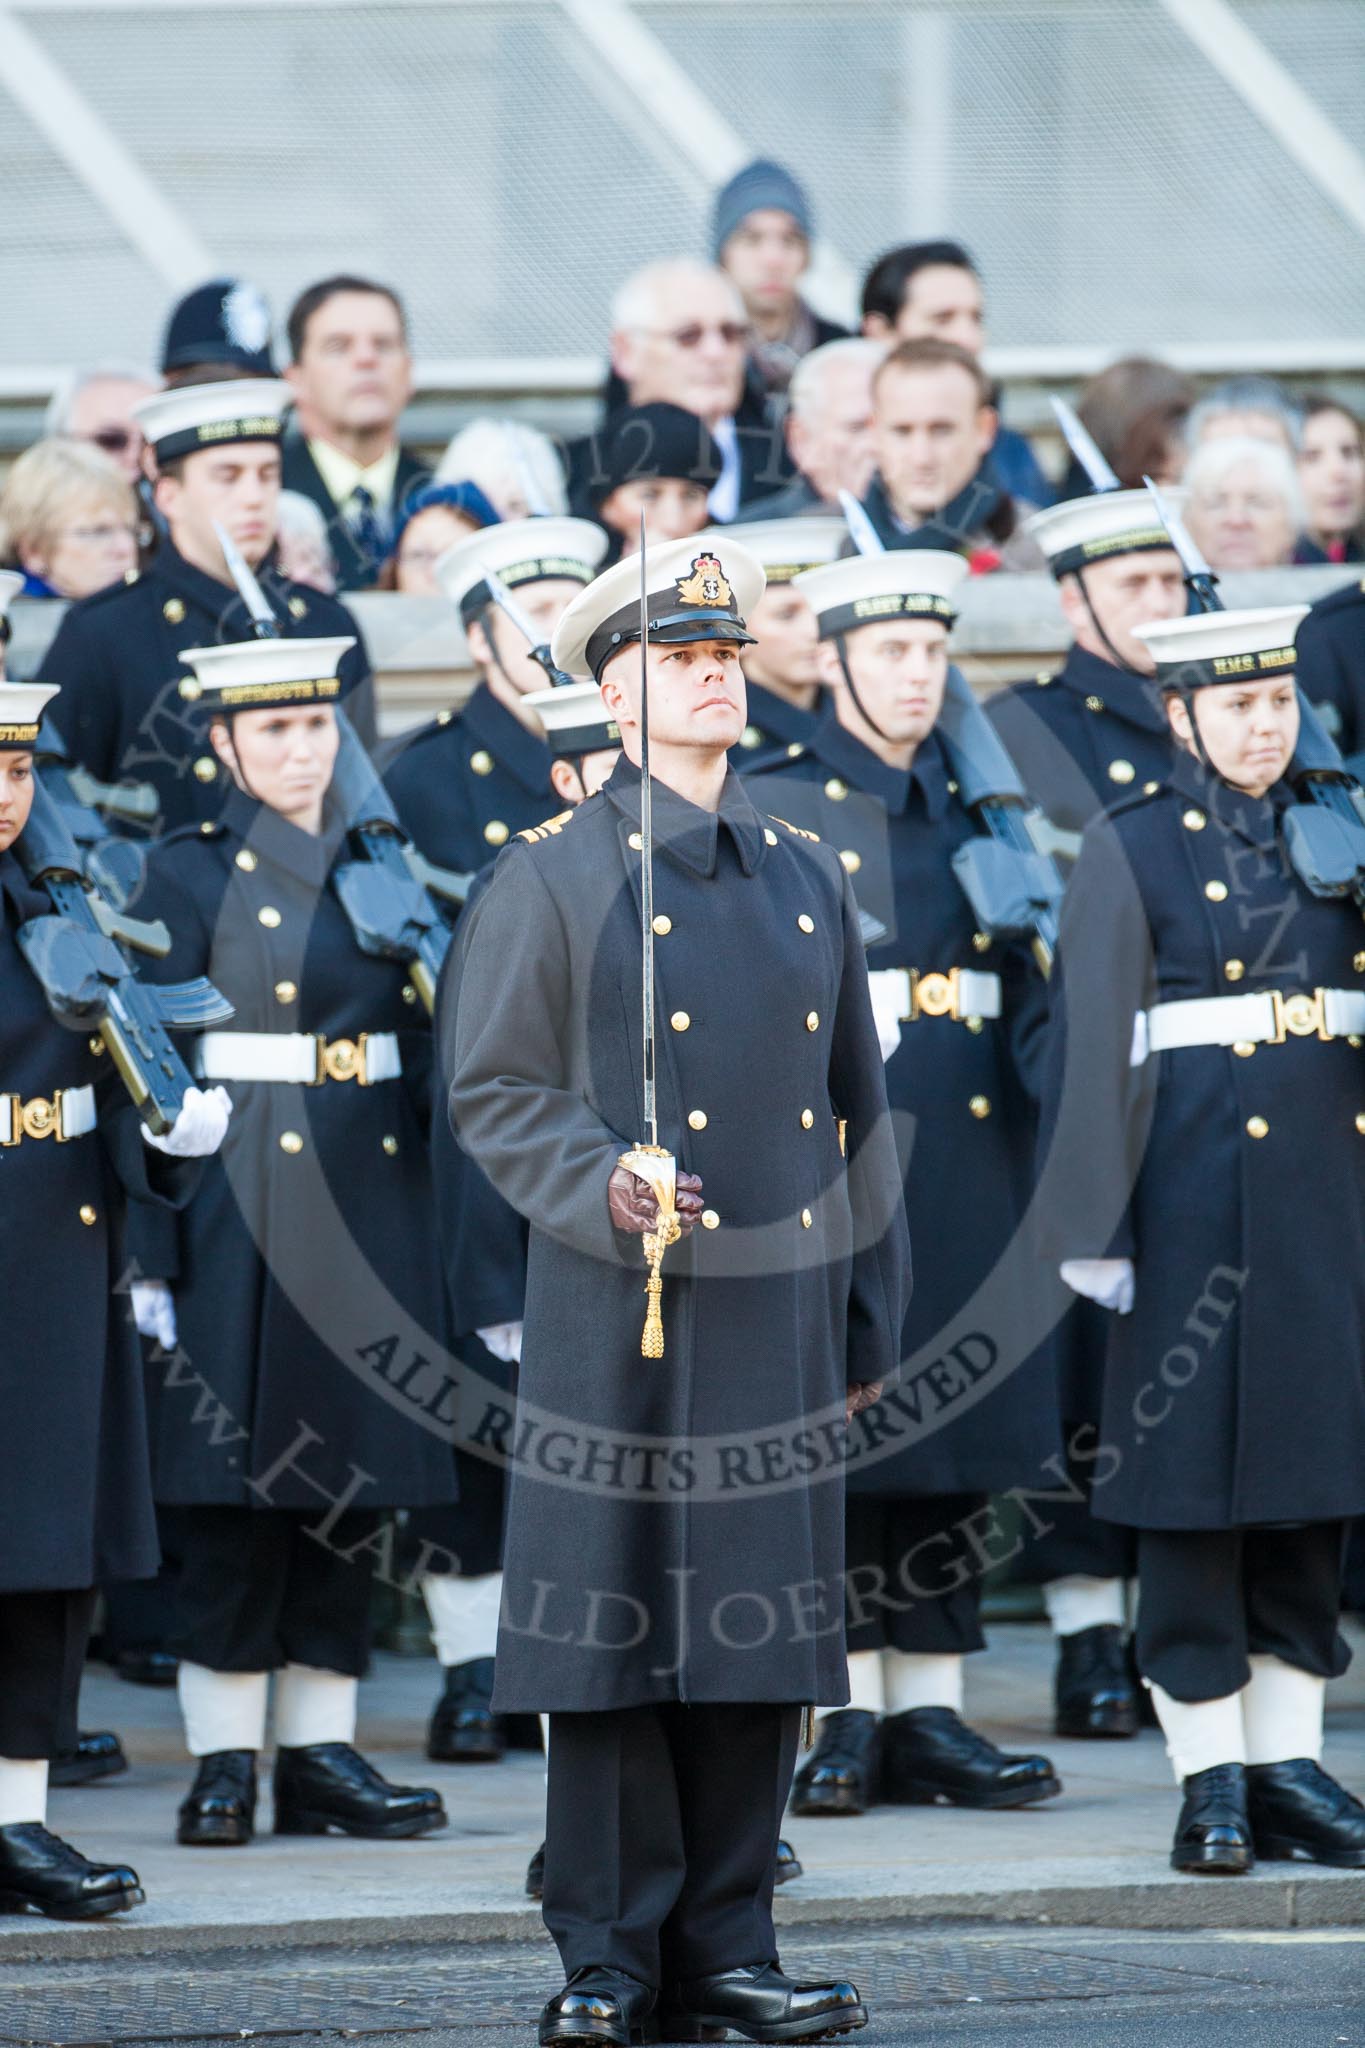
<point x="575" y="719"/>
<point x="866" y="590"/>
<point x="1085" y="530"/>
<point x="548" y="549"/>
<point x="787" y="547"/>
<point x="1223" y="647"/>
<point x="695" y="590"/>
<point x="264" y="675"/>
<point x="196" y="416"/>
<point x="225" y="321"/>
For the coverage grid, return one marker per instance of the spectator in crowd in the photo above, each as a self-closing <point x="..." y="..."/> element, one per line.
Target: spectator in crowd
<point x="1246" y="408"/>
<point x="760" y="236"/>
<point x="659" y="460"/>
<point x="517" y="468"/>
<point x="933" y="425"/>
<point x="933" y="291"/>
<point x="1245" y="506"/>
<point x="303" y="551"/>
<point x="96" y="405"/>
<point x="218" y="331"/>
<point x="351" y="376"/>
<point x="1135" y="411"/>
<point x="435" y="519"/>
<point x="1332" y="479"/>
<point x="829" y="429"/>
<point x="68" y="520"/>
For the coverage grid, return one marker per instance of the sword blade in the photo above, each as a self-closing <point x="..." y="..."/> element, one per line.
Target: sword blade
<point x="651" y="1107"/>
<point x="866" y="538"/>
<point x="248" y="589"/>
<point x="1085" y="448"/>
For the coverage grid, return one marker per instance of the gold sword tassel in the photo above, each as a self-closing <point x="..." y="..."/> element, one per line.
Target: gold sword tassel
<point x="657" y="1167"/>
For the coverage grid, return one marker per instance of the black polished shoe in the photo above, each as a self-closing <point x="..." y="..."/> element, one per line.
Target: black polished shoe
<point x="1213" y="1833"/>
<point x="763" y="2005"/>
<point x="326" y="1785"/>
<point x="98" y="1754"/>
<point x="220" y="1812"/>
<point x="1093" y="1692"/>
<point x="841" y="1774"/>
<point x="535" y="1875"/>
<point x="1299" y="1813"/>
<point x="788" y="1864"/>
<point x="147" y="1667"/>
<point x="930" y="1754"/>
<point x="40" y="1873"/>
<point x="601" y="2005"/>
<point x="464" y="1729"/>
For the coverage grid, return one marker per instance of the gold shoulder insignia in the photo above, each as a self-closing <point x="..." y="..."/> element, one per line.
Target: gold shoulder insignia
<point x="548" y="828"/>
<point x="799" y="830"/>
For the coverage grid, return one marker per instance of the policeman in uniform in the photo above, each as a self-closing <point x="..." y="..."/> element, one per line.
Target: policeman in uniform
<point x="465" y="783"/>
<point x="75" y="1494"/>
<point x="659" y="1506"/>
<point x="117" y="655"/>
<point x="781" y="666"/>
<point x="961" y="1017"/>
<point x="1084" y="738"/>
<point x="1204" y="1086"/>
<point x="219" y="330"/>
<point x="302" y="1288"/>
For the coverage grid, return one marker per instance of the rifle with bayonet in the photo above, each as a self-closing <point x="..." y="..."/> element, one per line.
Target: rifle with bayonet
<point x="1012" y="885"/>
<point x="511" y="610"/>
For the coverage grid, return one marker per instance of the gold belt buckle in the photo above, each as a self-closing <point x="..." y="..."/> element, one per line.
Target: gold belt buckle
<point x="344" y="1059"/>
<point x="934" y="995"/>
<point x="39" y="1117"/>
<point x="1299" y="1016"/>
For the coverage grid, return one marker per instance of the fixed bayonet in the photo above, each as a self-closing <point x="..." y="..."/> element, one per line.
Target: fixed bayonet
<point x="512" y="611"/>
<point x="1085" y="448"/>
<point x="264" y="623"/>
<point x="865" y="536"/>
<point x="1200" y="580"/>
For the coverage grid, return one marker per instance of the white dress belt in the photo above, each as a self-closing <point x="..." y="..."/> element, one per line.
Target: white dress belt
<point x="305" y="1057"/>
<point x="961" y="993"/>
<point x="69" y="1113"/>
<point x="1266" y="1018"/>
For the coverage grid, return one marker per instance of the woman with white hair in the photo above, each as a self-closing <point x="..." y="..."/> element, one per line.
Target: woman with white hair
<point x="1245" y="507"/>
<point x="68" y="520"/>
<point x="515" y="466"/>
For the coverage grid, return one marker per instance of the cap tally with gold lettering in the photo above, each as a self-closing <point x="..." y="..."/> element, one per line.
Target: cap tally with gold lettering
<point x="21" y="714"/>
<point x="519" y="551"/>
<point x="867" y="590"/>
<point x="199" y="416"/>
<point x="1083" y="531"/>
<point x="264" y="675"/>
<point x="1223" y="647"/>
<point x="694" y="590"/>
<point x="575" y="719"/>
<point x="786" y="548"/>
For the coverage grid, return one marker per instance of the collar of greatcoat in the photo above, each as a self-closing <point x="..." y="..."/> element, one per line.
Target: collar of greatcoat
<point x="512" y="745"/>
<point x="300" y="854"/>
<point x="1253" y="818"/>
<point x="685" y="832"/>
<point x="857" y="765"/>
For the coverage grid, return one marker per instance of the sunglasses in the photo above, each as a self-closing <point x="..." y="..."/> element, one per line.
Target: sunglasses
<point x="114" y="440"/>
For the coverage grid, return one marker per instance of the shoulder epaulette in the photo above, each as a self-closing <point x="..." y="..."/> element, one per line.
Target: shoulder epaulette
<point x="799" y="830"/>
<point x="550" y="827"/>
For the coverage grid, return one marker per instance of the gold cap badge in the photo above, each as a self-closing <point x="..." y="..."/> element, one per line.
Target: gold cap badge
<point x="706" y="585"/>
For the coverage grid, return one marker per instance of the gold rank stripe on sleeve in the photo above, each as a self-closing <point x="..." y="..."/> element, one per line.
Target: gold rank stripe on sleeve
<point x="548" y="829"/>
<point x="799" y="831"/>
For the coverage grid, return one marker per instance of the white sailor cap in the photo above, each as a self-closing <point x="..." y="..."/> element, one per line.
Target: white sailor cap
<point x="1223" y="647"/>
<point x="196" y="416"/>
<point x="550" y="548"/>
<point x="21" y="714"/>
<point x="694" y="590"/>
<point x="787" y="547"/>
<point x="575" y="719"/>
<point x="264" y="675"/>
<point x="903" y="583"/>
<point x="1085" y="530"/>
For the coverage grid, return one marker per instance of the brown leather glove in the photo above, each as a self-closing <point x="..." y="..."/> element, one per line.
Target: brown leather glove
<point x="634" y="1209"/>
<point x="860" y="1397"/>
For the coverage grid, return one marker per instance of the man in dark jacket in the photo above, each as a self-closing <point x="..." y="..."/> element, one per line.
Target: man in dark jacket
<point x="658" y="1510"/>
<point x="761" y="230"/>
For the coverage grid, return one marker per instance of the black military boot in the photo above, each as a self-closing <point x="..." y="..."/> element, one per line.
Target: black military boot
<point x="760" y="2003"/>
<point x="1298" y="1812"/>
<point x="787" y="1865"/>
<point x="220" y="1812"/>
<point x="841" y="1773"/>
<point x="147" y="1667"/>
<point x="1213" y="1834"/>
<point x="326" y="1785"/>
<point x="464" y="1729"/>
<point x="1093" y="1692"/>
<point x="930" y="1753"/>
<point x="98" y="1754"/>
<point x="40" y="1873"/>
<point x="599" y="2005"/>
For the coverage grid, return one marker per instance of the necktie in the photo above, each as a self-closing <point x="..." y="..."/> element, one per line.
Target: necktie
<point x="367" y="528"/>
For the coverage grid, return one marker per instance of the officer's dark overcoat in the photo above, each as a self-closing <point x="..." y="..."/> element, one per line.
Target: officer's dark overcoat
<point x="978" y="1316"/>
<point x="305" y="1271"/>
<point x="676" y="1524"/>
<point x="1235" y="1390"/>
<point x="467" y="782"/>
<point x="1087" y="736"/>
<point x="75" y="1490"/>
<point x="1330" y="644"/>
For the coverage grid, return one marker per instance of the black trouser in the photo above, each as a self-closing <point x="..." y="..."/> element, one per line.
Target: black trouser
<point x="256" y="1591"/>
<point x="1211" y="1598"/>
<point x="912" y="1581"/>
<point x="42" y="1648"/>
<point x="661" y="1835"/>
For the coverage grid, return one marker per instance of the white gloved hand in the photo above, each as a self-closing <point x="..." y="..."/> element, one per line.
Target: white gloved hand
<point x="888" y="993"/>
<point x="504" y="1341"/>
<point x="1107" y="1281"/>
<point x="200" y="1127"/>
<point x="154" y="1311"/>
